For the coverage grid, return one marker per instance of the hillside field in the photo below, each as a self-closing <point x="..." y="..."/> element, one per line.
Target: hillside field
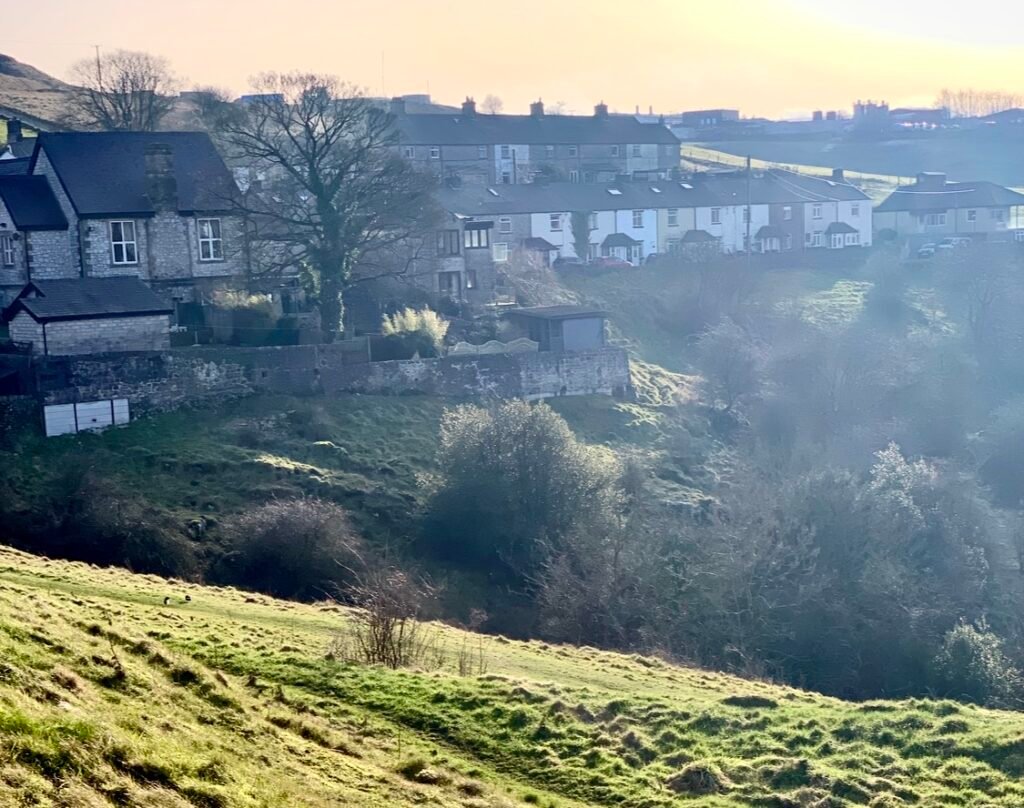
<point x="110" y="696"/>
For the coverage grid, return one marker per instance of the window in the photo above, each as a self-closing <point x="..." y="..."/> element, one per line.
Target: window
<point x="818" y="239"/>
<point x="123" y="248"/>
<point x="500" y="253"/>
<point x="435" y="152"/>
<point x="972" y="215"/>
<point x="574" y="176"/>
<point x="998" y="214"/>
<point x="211" y="244"/>
<point x="574" y="151"/>
<point x="549" y="152"/>
<point x="673" y="217"/>
<point x="637" y="150"/>
<point x="471" y="279"/>
<point x="448" y="283"/>
<point x="638" y="218"/>
<point x="506" y="152"/>
<point x="816" y="210"/>
<point x="7" y="250"/>
<point x="716" y="216"/>
<point x="615" y="151"/>
<point x="505" y="224"/>
<point x="555" y="222"/>
<point x="410" y="152"/>
<point x="852" y="239"/>
<point x="448" y="242"/>
<point x="935" y="220"/>
<point x="592" y="221"/>
<point x="787" y="213"/>
<point x="837" y="241"/>
<point x="506" y="178"/>
<point x="855" y="209"/>
<point x="476" y="238"/>
<point x="481" y="152"/>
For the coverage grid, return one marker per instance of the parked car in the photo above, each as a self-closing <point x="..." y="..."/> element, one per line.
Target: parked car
<point x="953" y="243"/>
<point x="611" y="263"/>
<point x="926" y="250"/>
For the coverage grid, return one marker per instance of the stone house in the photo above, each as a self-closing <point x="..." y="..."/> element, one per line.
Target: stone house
<point x="933" y="208"/>
<point x="89" y="315"/>
<point x="34" y="234"/>
<point x="484" y="149"/>
<point x="158" y="206"/>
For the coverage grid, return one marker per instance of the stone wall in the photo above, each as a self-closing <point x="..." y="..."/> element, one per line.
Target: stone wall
<point x="51" y="254"/>
<point x="165" y="380"/>
<point x="97" y="335"/>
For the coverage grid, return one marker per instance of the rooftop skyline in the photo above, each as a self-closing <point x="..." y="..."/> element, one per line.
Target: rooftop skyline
<point x="773" y="59"/>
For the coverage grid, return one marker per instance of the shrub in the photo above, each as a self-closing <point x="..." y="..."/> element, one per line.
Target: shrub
<point x="971" y="666"/>
<point x="303" y="548"/>
<point x="421" y="330"/>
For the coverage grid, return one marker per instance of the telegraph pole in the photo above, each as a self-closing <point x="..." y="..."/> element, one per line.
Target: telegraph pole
<point x="749" y="245"/>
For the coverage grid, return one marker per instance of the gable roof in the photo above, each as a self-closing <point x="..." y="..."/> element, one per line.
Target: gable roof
<point x="563" y="312"/>
<point x="17" y="165"/>
<point x="103" y="173"/>
<point x="31" y="203"/>
<point x="481" y="129"/>
<point x="618" y="240"/>
<point x="949" y="195"/>
<point x="87" y="299"/>
<point x="561" y="197"/>
<point x="839" y="228"/>
<point x="777" y="187"/>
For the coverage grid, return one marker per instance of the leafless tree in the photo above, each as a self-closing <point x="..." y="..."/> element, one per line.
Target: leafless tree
<point x="123" y="90"/>
<point x="329" y="192"/>
<point x="969" y="102"/>
<point x="492" y="105"/>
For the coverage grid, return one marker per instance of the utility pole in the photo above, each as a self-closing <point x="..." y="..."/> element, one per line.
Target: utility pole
<point x="749" y="244"/>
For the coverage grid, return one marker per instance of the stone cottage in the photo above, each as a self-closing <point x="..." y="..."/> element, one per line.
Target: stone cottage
<point x="34" y="234"/>
<point x="89" y="315"/>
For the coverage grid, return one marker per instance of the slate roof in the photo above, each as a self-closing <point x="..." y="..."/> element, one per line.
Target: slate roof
<point x="23" y="147"/>
<point x="103" y="173"/>
<point x="770" y="231"/>
<point x="88" y="298"/>
<point x="779" y="188"/>
<point x="479" y="129"/>
<point x="698" y="237"/>
<point x="837" y="228"/>
<point x="951" y="195"/>
<point x="559" y="197"/>
<point x="14" y="166"/>
<point x="31" y="202"/>
<point x="618" y="240"/>
<point x="539" y="244"/>
<point x="564" y="312"/>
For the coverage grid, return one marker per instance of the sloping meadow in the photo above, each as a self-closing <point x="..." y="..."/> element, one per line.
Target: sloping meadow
<point x="111" y="696"/>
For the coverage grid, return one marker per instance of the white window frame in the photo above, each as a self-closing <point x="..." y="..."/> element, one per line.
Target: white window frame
<point x="837" y="241"/>
<point x="615" y="151"/>
<point x="499" y="252"/>
<point x="574" y="151"/>
<point x="972" y="215"/>
<point x="435" y="152"/>
<point x="787" y="213"/>
<point x="481" y="152"/>
<point x="123" y="242"/>
<point x="816" y="210"/>
<point x="506" y="152"/>
<point x="505" y="224"/>
<point x="214" y="240"/>
<point x="410" y="152"/>
<point x="716" y="216"/>
<point x="574" y="176"/>
<point x="818" y="239"/>
<point x="592" y="221"/>
<point x="6" y="250"/>
<point x="638" y="150"/>
<point x="935" y="220"/>
<point x="855" y="209"/>
<point x="673" y="217"/>
<point x="638" y="219"/>
<point x="476" y="238"/>
<point x="555" y="222"/>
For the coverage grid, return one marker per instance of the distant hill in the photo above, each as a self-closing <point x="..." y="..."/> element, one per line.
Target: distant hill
<point x="31" y="94"/>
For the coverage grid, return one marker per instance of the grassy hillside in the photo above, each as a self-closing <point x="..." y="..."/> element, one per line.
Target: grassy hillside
<point x="110" y="696"/>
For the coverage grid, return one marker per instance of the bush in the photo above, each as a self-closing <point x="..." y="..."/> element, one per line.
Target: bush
<point x="971" y="666"/>
<point x="301" y="548"/>
<point x="421" y="330"/>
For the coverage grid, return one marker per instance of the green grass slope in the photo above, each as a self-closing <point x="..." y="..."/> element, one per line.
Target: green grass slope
<point x="110" y="697"/>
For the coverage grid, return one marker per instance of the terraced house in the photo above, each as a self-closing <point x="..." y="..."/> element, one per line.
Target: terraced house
<point x="483" y="149"/>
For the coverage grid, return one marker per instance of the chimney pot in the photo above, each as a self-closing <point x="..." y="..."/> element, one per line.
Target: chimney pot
<point x="838" y="175"/>
<point x="537" y="109"/>
<point x="601" y="110"/>
<point x="14" y="131"/>
<point x="161" y="184"/>
<point x="397" y="106"/>
<point x="469" y="106"/>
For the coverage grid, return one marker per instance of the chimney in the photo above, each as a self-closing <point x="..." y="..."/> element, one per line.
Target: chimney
<point x="537" y="109"/>
<point x="601" y="110"/>
<point x="469" y="106"/>
<point x="932" y="180"/>
<point x="838" y="175"/>
<point x="397" y="106"/>
<point x="14" y="133"/>
<point x="161" y="185"/>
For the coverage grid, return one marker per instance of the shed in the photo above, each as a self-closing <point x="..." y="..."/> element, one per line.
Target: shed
<point x="561" y="328"/>
<point x="89" y="315"/>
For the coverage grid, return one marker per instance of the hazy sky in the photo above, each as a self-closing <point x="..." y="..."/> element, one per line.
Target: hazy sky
<point x="767" y="57"/>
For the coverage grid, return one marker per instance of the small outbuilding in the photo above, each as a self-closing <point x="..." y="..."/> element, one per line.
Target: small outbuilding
<point x="560" y="328"/>
<point x="89" y="315"/>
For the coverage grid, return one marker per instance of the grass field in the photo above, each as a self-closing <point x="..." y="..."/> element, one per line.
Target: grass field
<point x="110" y="696"/>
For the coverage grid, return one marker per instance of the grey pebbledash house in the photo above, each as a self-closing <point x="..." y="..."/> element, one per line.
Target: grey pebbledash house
<point x="89" y="315"/>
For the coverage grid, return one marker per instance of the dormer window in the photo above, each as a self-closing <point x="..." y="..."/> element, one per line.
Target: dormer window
<point x="211" y="244"/>
<point x="124" y="248"/>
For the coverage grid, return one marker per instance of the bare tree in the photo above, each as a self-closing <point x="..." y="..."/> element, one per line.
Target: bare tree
<point x="332" y="196"/>
<point x="970" y="103"/>
<point x="123" y="90"/>
<point x="492" y="105"/>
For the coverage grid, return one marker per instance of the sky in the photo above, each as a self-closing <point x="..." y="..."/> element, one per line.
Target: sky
<point x="765" y="57"/>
